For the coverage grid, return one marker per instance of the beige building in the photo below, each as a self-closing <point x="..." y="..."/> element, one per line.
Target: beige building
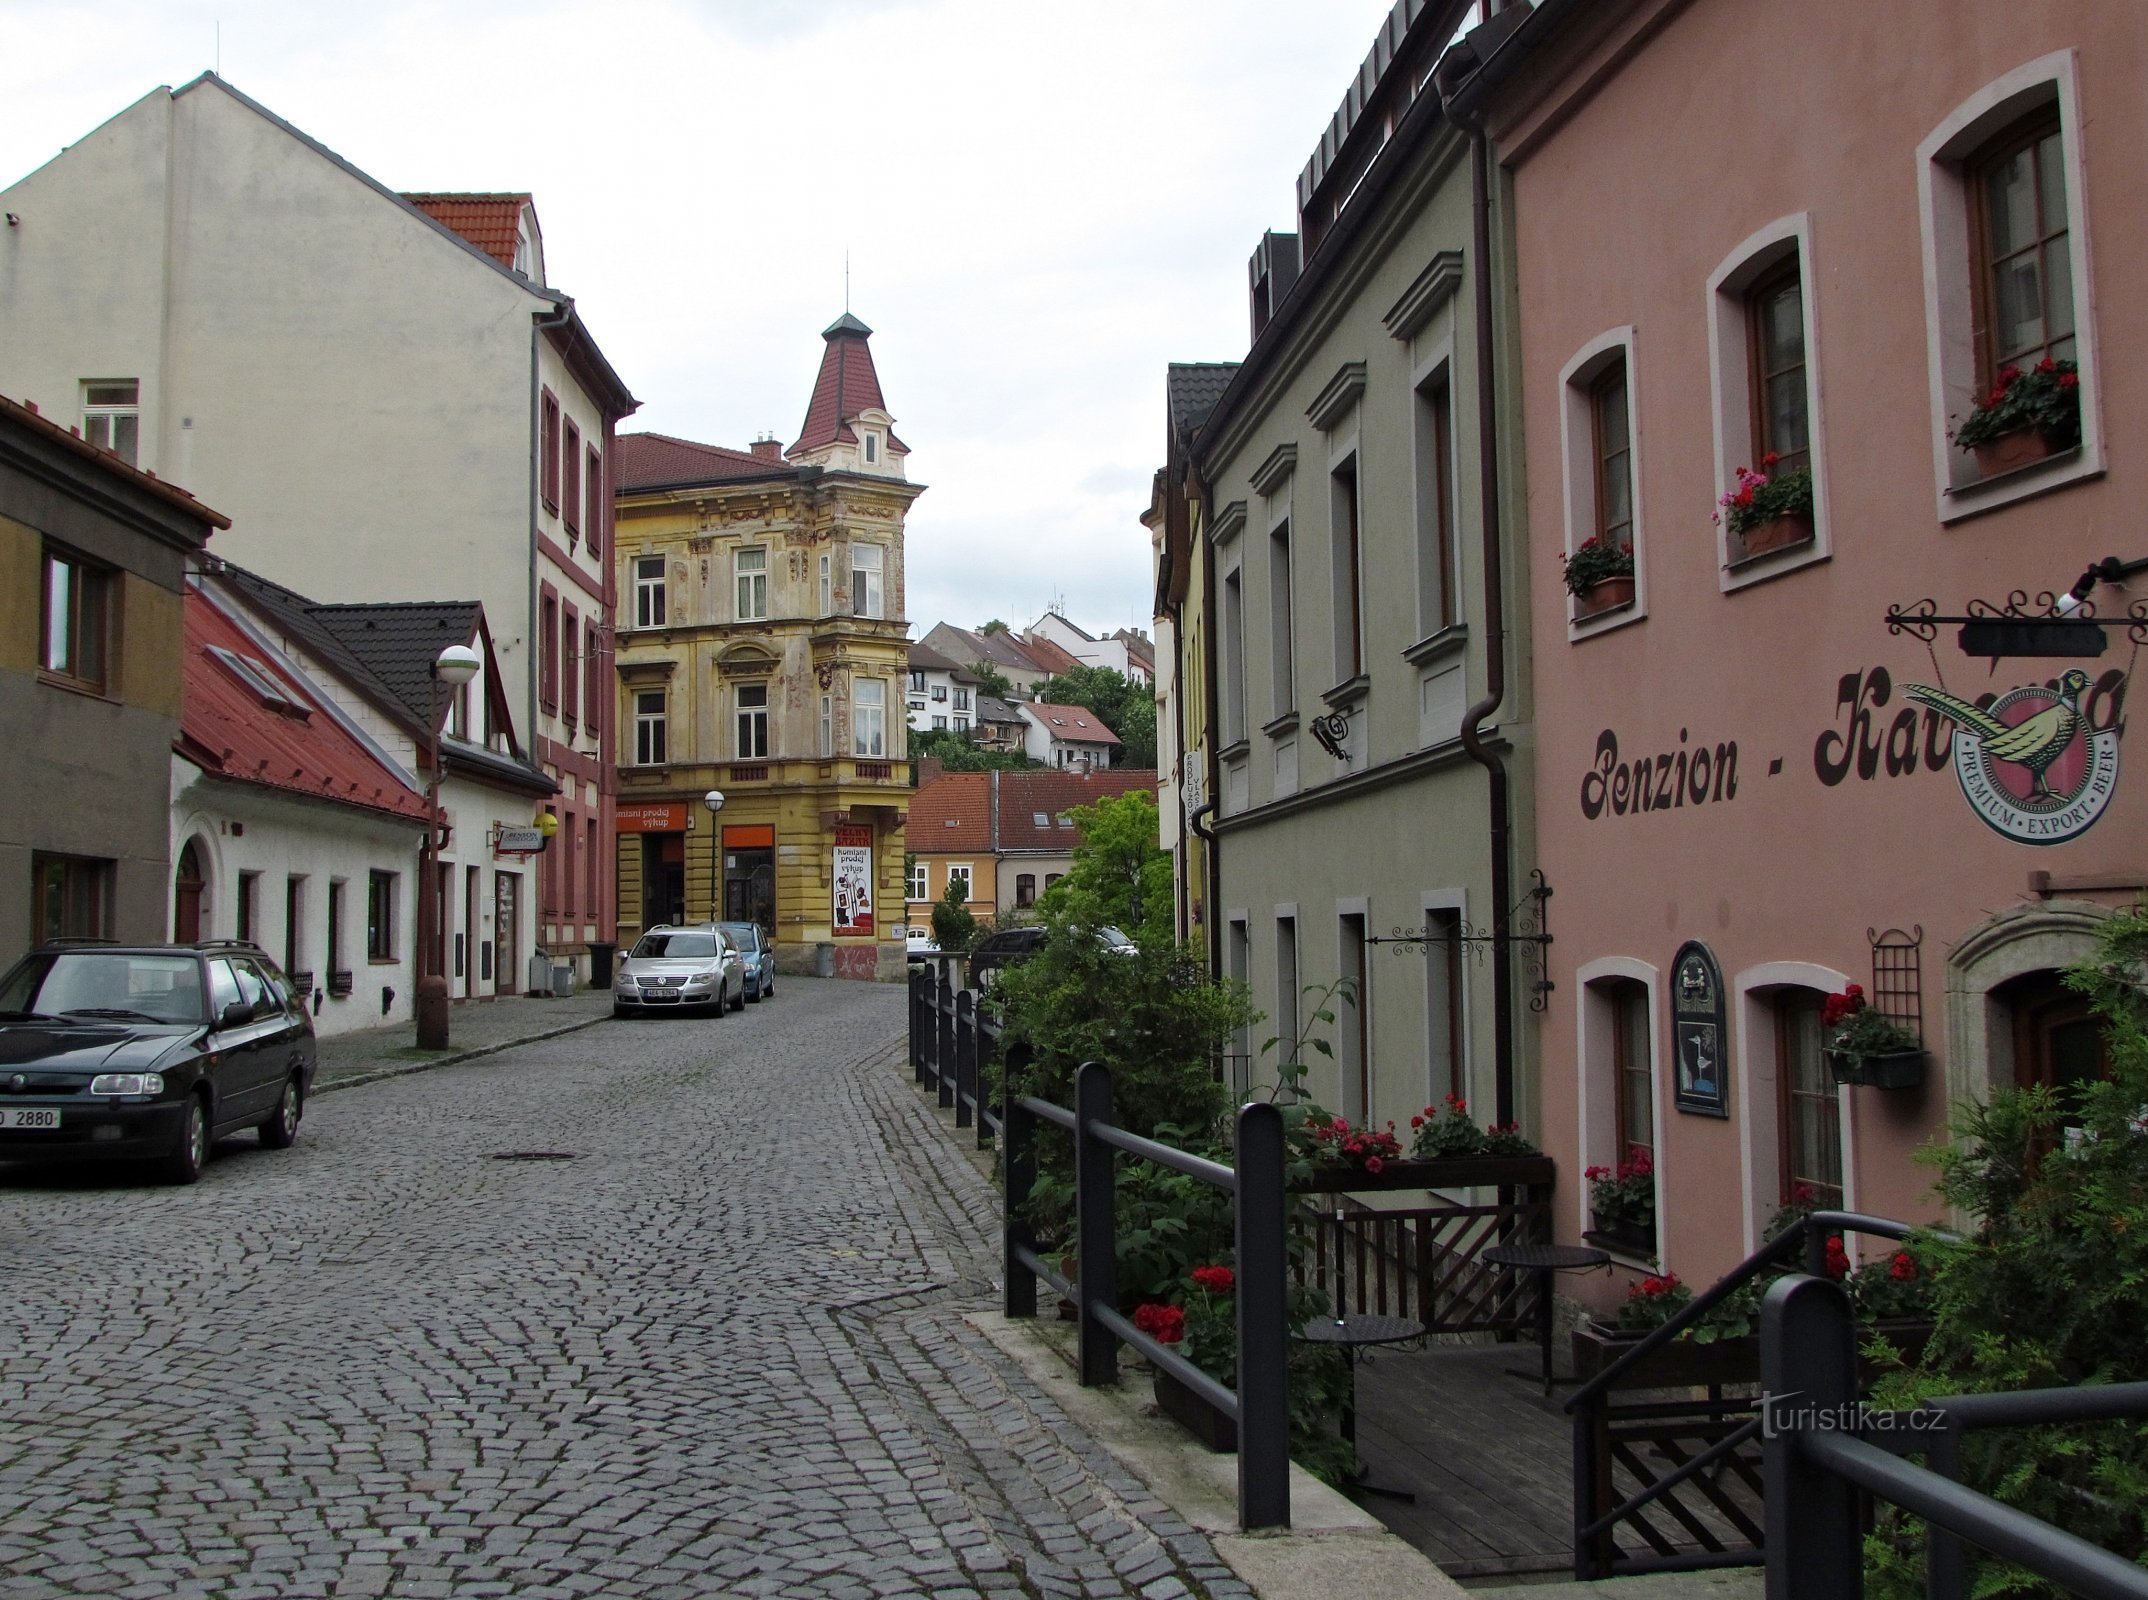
<point x="762" y="654"/>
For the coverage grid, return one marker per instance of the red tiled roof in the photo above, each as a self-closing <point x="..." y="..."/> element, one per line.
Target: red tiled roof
<point x="228" y="729"/>
<point x="1071" y="724"/>
<point x="646" y="460"/>
<point x="847" y="385"/>
<point x="1025" y="796"/>
<point x="952" y="812"/>
<point x="1050" y="655"/>
<point x="492" y="222"/>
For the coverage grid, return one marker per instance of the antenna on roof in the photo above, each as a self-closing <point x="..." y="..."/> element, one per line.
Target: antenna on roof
<point x="846" y="282"/>
<point x="219" y="47"/>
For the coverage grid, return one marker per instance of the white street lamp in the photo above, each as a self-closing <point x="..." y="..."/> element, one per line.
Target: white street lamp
<point x="454" y="667"/>
<point x="714" y="801"/>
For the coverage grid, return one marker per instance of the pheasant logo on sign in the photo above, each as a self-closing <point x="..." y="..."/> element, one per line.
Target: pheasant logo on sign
<point x="2030" y="765"/>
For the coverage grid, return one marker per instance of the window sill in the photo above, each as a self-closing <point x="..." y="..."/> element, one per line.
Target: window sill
<point x="80" y="686"/>
<point x="1350" y="692"/>
<point x="2077" y="465"/>
<point x="1448" y="641"/>
<point x="1287" y="723"/>
<point x="1608" y="620"/>
<point x="382" y="961"/>
<point x="1747" y="571"/>
<point x="1621" y="1253"/>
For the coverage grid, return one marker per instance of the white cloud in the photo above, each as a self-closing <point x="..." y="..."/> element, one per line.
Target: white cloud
<point x="1041" y="207"/>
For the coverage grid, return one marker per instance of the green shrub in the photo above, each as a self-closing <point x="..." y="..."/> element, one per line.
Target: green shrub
<point x="954" y="929"/>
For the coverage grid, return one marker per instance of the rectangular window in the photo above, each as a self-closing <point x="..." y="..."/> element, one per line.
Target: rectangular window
<point x="1349" y="599"/>
<point x="548" y="654"/>
<point x="73" y="897"/>
<point x="1353" y="1038"/>
<point x="1775" y="320"/>
<point x="866" y="561"/>
<point x="939" y="693"/>
<point x="2023" y="246"/>
<point x="571" y="499"/>
<point x="917" y="683"/>
<point x="920" y="885"/>
<point x="827" y="586"/>
<point x="249" y="907"/>
<point x="751" y="569"/>
<point x="570" y="666"/>
<point x="589" y="868"/>
<point x="1234" y="659"/>
<point x="940" y="723"/>
<point x="869" y="717"/>
<point x="1286" y="989"/>
<point x="960" y="873"/>
<point x="649" y="746"/>
<point x="1443" y="1006"/>
<point x="75" y="619"/>
<point x="752" y="721"/>
<point x="962" y="724"/>
<point x="1809" y="1111"/>
<point x="548" y="449"/>
<point x="827" y="722"/>
<point x="335" y="925"/>
<point x="1631" y="1072"/>
<point x="593" y="499"/>
<point x="1238" y="967"/>
<point x="593" y="696"/>
<point x="649" y="609"/>
<point x="1284" y="685"/>
<point x="962" y="699"/>
<point x="1435" y="506"/>
<point x="112" y="417"/>
<point x="380" y="916"/>
<point x="294" y="924"/>
<point x="872" y="448"/>
<point x="1613" y="457"/>
<point x="1025" y="889"/>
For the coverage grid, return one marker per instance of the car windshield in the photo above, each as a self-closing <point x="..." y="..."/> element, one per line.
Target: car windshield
<point x="676" y="947"/>
<point x="105" y="984"/>
<point x="746" y="935"/>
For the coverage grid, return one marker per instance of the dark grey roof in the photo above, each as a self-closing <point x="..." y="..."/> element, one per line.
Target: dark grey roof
<point x="923" y="658"/>
<point x="1003" y="649"/>
<point x="296" y="614"/>
<point x="990" y="708"/>
<point x="400" y="642"/>
<point x="1192" y="389"/>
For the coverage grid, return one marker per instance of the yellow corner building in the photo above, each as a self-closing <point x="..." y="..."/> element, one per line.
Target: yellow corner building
<point x="762" y="653"/>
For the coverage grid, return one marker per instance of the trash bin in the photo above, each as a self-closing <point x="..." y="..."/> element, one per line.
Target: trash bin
<point x="539" y="975"/>
<point x="562" y="980"/>
<point x="824" y="961"/>
<point x="600" y="965"/>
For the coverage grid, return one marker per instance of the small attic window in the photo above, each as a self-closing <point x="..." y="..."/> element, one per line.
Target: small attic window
<point x="1065" y="821"/>
<point x="953" y="822"/>
<point x="1040" y="819"/>
<point x="1055" y="722"/>
<point x="872" y="447"/>
<point x="257" y="677"/>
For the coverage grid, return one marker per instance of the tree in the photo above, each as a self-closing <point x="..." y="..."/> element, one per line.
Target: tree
<point x="953" y="928"/>
<point x="990" y="680"/>
<point x="1125" y="706"/>
<point x="958" y="752"/>
<point x="992" y="627"/>
<point x="1119" y="875"/>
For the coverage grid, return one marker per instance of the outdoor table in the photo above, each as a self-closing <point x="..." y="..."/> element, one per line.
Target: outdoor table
<point x="1544" y="1260"/>
<point x="1357" y="1335"/>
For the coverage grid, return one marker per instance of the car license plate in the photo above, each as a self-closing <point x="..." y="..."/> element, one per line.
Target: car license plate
<point x="28" y="1117"/>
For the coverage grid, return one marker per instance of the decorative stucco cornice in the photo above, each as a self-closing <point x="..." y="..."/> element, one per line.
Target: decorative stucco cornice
<point x="1273" y="473"/>
<point x="1229" y="523"/>
<point x="1434" y="287"/>
<point x="1334" y="401"/>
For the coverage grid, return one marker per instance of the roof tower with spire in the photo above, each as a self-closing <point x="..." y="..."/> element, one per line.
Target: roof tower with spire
<point x="847" y="425"/>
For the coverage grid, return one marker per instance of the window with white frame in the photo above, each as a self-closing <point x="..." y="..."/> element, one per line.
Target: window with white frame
<point x="958" y="872"/>
<point x="752" y="721"/>
<point x="827" y="724"/>
<point x="920" y="881"/>
<point x="827" y="585"/>
<point x="1603" y="490"/>
<point x="872" y="447"/>
<point x="649" y="732"/>
<point x="751" y="568"/>
<point x="649" y="592"/>
<point x="869" y="717"/>
<point x="866" y="563"/>
<point x="2007" y="279"/>
<point x="112" y="417"/>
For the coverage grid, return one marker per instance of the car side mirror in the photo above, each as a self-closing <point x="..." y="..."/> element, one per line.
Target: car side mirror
<point x="236" y="1014"/>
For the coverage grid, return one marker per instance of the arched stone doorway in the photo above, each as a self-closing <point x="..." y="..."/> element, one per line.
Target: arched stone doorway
<point x="187" y="887"/>
<point x="2009" y="1018"/>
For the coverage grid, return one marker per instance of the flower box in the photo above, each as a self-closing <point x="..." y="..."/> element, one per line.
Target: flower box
<point x="1684" y="1363"/>
<point x="2012" y="451"/>
<point x="1622" y="1233"/>
<point x="1432" y="1172"/>
<point x="1194" y="1414"/>
<point x="1779" y="533"/>
<point x="1898" y="1069"/>
<point x="1606" y="594"/>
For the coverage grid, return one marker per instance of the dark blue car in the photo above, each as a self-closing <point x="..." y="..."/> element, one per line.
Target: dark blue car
<point x="758" y="954"/>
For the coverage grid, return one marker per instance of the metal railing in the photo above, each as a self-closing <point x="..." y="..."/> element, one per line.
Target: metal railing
<point x="1260" y="1404"/>
<point x="955" y="1046"/>
<point x="1824" y="1451"/>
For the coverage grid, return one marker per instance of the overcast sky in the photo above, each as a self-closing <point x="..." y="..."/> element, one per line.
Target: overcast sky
<point x="1042" y="205"/>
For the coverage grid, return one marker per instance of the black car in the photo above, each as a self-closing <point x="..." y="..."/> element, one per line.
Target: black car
<point x="1005" y="947"/>
<point x="149" y="1053"/>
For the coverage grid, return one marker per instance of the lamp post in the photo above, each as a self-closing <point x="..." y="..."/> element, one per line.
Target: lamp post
<point x="714" y="801"/>
<point x="455" y="666"/>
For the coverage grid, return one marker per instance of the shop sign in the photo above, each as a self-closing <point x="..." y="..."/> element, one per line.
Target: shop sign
<point x="853" y="878"/>
<point x="652" y="816"/>
<point x="517" y="841"/>
<point x="2030" y="764"/>
<point x="1697" y="1031"/>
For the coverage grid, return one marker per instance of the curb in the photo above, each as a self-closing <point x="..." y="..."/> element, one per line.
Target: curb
<point x="405" y="1068"/>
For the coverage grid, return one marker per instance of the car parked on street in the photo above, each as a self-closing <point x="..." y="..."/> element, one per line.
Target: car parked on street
<point x="1004" y="947"/>
<point x="149" y="1052"/>
<point x="672" y="968"/>
<point x="758" y="956"/>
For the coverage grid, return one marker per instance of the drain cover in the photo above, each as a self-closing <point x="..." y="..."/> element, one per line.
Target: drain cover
<point x="533" y="1155"/>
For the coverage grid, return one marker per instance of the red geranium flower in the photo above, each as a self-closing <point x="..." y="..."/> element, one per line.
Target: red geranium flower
<point x="1902" y="1267"/>
<point x="1216" y="1280"/>
<point x="1164" y="1324"/>
<point x="1838" y="1259"/>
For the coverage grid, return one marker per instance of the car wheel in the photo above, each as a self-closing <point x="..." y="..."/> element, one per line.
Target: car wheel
<point x="753" y="994"/>
<point x="184" y="1164"/>
<point x="740" y="1003"/>
<point x="280" y="1132"/>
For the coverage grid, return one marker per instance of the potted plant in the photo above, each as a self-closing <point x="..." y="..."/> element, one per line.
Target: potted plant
<point x="1599" y="576"/>
<point x="2024" y="417"/>
<point x="1204" y="1326"/>
<point x="1866" y="1046"/>
<point x="1769" y="510"/>
<point x="1622" y="1203"/>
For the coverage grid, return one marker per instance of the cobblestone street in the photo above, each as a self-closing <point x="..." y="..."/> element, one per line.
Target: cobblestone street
<point x="719" y="1351"/>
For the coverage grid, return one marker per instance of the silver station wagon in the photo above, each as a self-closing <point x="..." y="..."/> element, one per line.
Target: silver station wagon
<point x="672" y="968"/>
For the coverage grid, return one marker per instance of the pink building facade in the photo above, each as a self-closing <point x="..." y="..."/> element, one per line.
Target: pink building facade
<point x="1825" y="238"/>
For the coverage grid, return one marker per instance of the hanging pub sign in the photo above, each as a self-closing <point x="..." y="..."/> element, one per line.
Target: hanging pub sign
<point x="1697" y="1031"/>
<point x="2031" y="763"/>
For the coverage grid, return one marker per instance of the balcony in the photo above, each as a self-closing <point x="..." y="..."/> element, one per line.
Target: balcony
<point x="817" y="770"/>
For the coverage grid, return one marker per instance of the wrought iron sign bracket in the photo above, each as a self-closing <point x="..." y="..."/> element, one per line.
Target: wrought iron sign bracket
<point x="1528" y="931"/>
<point x="2045" y="624"/>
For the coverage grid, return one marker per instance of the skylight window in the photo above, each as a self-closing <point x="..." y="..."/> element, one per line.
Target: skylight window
<point x="1039" y="819"/>
<point x="257" y="677"/>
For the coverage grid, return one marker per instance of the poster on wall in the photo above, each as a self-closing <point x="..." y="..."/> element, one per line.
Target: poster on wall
<point x="854" y="882"/>
<point x="1697" y="1031"/>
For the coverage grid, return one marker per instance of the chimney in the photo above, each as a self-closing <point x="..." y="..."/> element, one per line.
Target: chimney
<point x="767" y="450"/>
<point x="929" y="770"/>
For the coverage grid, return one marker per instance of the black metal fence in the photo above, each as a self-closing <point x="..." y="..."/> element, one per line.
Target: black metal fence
<point x="954" y="1045"/>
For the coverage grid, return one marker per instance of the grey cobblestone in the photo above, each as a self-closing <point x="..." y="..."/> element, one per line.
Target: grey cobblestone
<point x="722" y="1352"/>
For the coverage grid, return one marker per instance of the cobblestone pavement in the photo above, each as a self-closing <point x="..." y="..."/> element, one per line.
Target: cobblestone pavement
<point x="718" y="1352"/>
